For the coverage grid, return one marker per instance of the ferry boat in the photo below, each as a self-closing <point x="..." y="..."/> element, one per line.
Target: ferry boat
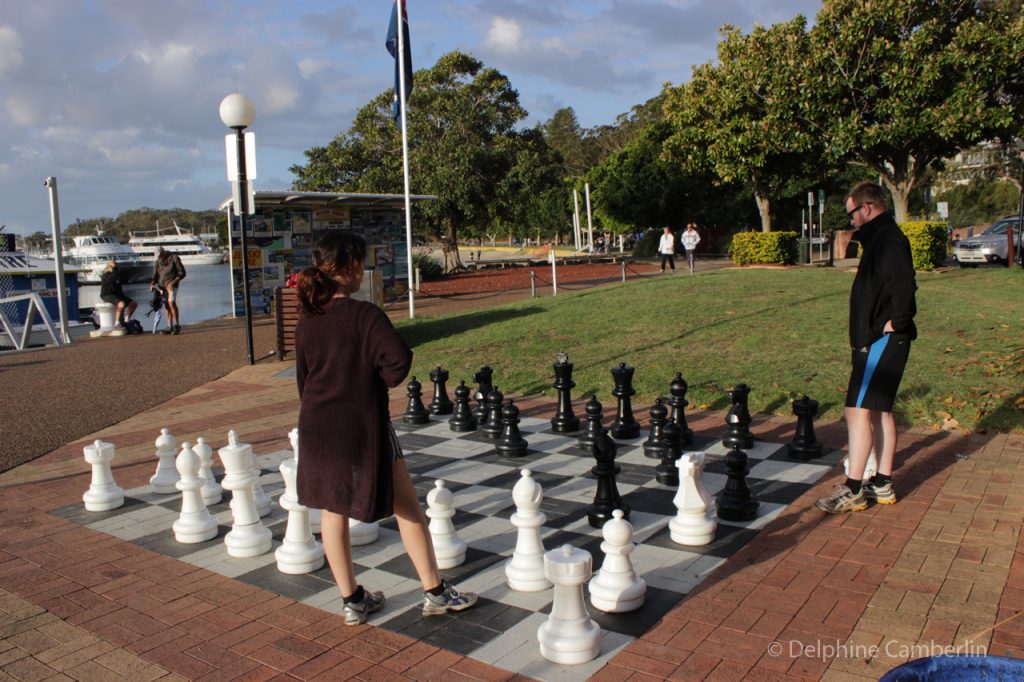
<point x="90" y="253"/>
<point x="189" y="247"/>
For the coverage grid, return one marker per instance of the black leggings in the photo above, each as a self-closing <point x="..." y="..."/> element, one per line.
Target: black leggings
<point x="671" y="260"/>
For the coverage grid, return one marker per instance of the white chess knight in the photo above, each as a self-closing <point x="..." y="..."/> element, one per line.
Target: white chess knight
<point x="616" y="588"/>
<point x="103" y="494"/>
<point x="165" y="479"/>
<point x="569" y="636"/>
<point x="211" y="490"/>
<point x="693" y="523"/>
<point x="195" y="523"/>
<point x="248" y="536"/>
<point x="870" y="469"/>
<point x="299" y="552"/>
<point x="449" y="548"/>
<point x="524" y="572"/>
<point x="701" y="458"/>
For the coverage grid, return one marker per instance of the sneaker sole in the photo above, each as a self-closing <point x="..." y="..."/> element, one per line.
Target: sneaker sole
<point x="884" y="500"/>
<point x="441" y="610"/>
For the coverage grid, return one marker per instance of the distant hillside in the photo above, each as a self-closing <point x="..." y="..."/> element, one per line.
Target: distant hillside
<point x="147" y="219"/>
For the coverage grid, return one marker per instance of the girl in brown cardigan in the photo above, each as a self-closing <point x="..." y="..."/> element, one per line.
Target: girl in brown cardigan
<point x="348" y="355"/>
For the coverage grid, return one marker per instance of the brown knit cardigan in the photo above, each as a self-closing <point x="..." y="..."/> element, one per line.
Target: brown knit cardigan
<point x="345" y="361"/>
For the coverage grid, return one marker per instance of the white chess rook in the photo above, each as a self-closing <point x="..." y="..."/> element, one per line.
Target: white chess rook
<point x="248" y="537"/>
<point x="569" y="636"/>
<point x="314" y="514"/>
<point x="616" y="588"/>
<point x="692" y="524"/>
<point x="165" y="479"/>
<point x="299" y="552"/>
<point x="103" y="494"/>
<point x="449" y="548"/>
<point x="195" y="523"/>
<point x="524" y="572"/>
<point x="211" y="490"/>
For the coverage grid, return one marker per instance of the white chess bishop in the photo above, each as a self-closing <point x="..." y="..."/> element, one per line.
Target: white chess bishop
<point x="616" y="588"/>
<point x="165" y="479"/>
<point x="693" y="523"/>
<point x="524" y="572"/>
<point x="569" y="636"/>
<point x="211" y="490"/>
<point x="195" y="523"/>
<point x="299" y="552"/>
<point x="449" y="548"/>
<point x="103" y="494"/>
<point x="248" y="536"/>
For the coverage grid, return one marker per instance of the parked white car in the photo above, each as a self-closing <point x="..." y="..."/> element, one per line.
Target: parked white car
<point x="991" y="246"/>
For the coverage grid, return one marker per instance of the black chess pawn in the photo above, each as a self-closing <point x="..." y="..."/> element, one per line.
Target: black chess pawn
<point x="493" y="427"/>
<point x="564" y="420"/>
<point x="735" y="502"/>
<point x="678" y="402"/>
<point x="511" y="443"/>
<point x="625" y="425"/>
<point x="655" y="445"/>
<point x="462" y="415"/>
<point x="667" y="473"/>
<point x="594" y="429"/>
<point x="483" y="382"/>
<point x="606" y="498"/>
<point x="440" y="403"/>
<point x="415" y="413"/>
<point x="737" y="432"/>
<point x="805" y="445"/>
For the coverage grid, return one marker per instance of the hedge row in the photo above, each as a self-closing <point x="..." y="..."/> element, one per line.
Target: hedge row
<point x="927" y="243"/>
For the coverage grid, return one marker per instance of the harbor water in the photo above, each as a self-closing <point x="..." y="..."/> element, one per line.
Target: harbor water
<point x="204" y="294"/>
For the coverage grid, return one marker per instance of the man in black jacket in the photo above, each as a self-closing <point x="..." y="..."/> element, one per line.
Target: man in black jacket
<point x="882" y="310"/>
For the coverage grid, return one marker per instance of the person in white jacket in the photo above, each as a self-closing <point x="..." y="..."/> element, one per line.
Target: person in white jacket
<point x="667" y="249"/>
<point x="690" y="239"/>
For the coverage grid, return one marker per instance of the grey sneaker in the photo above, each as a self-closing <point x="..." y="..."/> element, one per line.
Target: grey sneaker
<point x="842" y="500"/>
<point x="449" y="600"/>
<point x="357" y="612"/>
<point x="882" y="494"/>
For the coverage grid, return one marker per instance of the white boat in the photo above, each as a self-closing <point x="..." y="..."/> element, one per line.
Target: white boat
<point x="91" y="253"/>
<point x="189" y="247"/>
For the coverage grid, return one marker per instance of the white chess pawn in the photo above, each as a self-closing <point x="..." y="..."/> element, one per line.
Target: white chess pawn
<point x="299" y="551"/>
<point x="314" y="514"/>
<point x="616" y="588"/>
<point x="195" y="523"/>
<point x="569" y="636"/>
<point x="248" y="537"/>
<point x="166" y="476"/>
<point x="524" y="572"/>
<point x="103" y="494"/>
<point x="870" y="469"/>
<point x="211" y="490"/>
<point x="361" y="532"/>
<point x="449" y="548"/>
<point x="692" y="524"/>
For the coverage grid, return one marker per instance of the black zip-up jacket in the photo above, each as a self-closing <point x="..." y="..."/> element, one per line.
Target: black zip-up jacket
<point x="884" y="287"/>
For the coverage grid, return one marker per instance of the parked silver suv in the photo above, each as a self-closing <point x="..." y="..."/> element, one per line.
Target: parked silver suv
<point x="990" y="246"/>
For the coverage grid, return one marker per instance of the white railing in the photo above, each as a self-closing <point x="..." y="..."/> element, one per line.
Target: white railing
<point x="20" y="341"/>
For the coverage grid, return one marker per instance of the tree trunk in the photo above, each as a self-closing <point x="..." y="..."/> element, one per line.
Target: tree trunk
<point x="900" y="197"/>
<point x="764" y="207"/>
<point x="450" y="248"/>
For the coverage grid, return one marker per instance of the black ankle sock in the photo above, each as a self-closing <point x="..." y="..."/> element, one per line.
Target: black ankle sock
<point x="853" y="485"/>
<point x="881" y="479"/>
<point x="437" y="591"/>
<point x="356" y="596"/>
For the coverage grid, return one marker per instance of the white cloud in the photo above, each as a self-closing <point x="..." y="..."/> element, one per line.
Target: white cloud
<point x="10" y="49"/>
<point x="505" y="35"/>
<point x="22" y="110"/>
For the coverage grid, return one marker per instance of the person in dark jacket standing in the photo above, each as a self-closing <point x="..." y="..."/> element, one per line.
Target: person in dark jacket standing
<point x="167" y="274"/>
<point x="347" y="356"/>
<point x="882" y="310"/>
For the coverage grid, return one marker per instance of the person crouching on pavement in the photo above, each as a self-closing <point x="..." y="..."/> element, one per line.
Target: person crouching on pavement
<point x="168" y="273"/>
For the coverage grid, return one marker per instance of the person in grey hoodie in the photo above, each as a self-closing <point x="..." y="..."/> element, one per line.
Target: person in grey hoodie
<point x="168" y="272"/>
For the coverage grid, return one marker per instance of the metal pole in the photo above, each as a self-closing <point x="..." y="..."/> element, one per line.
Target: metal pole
<point x="405" y="158"/>
<point x="243" y="206"/>
<point x="576" y="214"/>
<point x="623" y="271"/>
<point x="533" y="284"/>
<point x="590" y="224"/>
<point x="1020" y="227"/>
<point x="58" y="258"/>
<point x="554" y="274"/>
<point x="231" y="260"/>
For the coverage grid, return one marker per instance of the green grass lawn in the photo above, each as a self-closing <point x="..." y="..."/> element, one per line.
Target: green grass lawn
<point x="783" y="332"/>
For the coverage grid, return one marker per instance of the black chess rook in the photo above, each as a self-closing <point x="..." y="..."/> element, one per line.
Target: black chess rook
<point x="564" y="420"/>
<point x="625" y="425"/>
<point x="805" y="446"/>
<point x="678" y="403"/>
<point x="511" y="443"/>
<point x="606" y="498"/>
<point x="415" y="413"/>
<point x="493" y="427"/>
<point x="440" y="403"/>
<point x="462" y="414"/>
<point x="737" y="432"/>
<point x="483" y="381"/>
<point x="593" y="410"/>
<point x="735" y="502"/>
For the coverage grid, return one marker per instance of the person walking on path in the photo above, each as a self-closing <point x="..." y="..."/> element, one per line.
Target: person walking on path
<point x="690" y="239"/>
<point x="882" y="310"/>
<point x="667" y="249"/>
<point x="168" y="272"/>
<point x="347" y="356"/>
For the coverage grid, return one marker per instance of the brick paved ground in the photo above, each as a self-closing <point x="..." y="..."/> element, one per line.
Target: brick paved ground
<point x="812" y="596"/>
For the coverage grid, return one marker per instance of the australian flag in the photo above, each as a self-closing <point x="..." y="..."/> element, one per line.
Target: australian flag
<point x="392" y="45"/>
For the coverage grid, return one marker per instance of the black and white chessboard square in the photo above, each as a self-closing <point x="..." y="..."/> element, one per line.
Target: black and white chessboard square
<point x="501" y="630"/>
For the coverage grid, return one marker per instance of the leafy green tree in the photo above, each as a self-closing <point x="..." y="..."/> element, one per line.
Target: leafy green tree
<point x="982" y="200"/>
<point x="739" y="117"/>
<point x="899" y="85"/>
<point x="564" y="134"/>
<point x="460" y="117"/>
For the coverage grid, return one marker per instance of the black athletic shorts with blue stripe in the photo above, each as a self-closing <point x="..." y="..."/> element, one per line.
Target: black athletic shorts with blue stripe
<point x="877" y="371"/>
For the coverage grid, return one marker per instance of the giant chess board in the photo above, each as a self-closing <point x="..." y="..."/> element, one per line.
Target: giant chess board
<point x="501" y="630"/>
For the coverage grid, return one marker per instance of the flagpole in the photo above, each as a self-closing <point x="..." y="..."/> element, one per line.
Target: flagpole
<point x="405" y="156"/>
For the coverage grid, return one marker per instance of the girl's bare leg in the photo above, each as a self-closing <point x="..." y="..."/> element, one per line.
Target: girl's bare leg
<point x="412" y="524"/>
<point x="334" y="533"/>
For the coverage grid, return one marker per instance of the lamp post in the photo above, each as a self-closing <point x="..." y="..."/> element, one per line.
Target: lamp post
<point x="238" y="114"/>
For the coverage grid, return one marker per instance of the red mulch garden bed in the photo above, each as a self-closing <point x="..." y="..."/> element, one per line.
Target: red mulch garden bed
<point x="505" y="279"/>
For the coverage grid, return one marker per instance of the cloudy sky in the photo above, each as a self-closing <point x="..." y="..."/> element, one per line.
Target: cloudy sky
<point x="118" y="98"/>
